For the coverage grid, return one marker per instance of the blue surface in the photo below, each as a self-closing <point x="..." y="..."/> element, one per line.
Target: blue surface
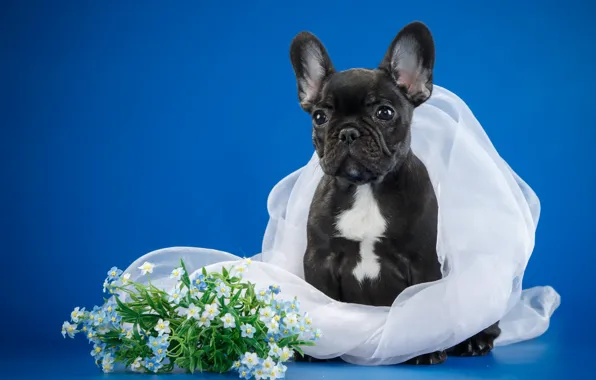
<point x="112" y="112"/>
<point x="550" y="357"/>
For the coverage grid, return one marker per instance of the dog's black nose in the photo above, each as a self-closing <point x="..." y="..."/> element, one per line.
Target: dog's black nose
<point x="348" y="135"/>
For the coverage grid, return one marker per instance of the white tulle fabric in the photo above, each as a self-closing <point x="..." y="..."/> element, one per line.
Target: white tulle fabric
<point x="487" y="222"/>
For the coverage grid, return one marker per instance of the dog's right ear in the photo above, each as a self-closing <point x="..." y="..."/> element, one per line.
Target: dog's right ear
<point x="312" y="67"/>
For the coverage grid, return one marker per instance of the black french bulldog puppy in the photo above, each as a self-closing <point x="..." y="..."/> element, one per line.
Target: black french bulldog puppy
<point x="372" y="226"/>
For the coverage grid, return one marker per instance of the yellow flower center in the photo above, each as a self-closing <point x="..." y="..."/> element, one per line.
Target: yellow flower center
<point x="243" y="373"/>
<point x="90" y="335"/>
<point x="99" y="319"/>
<point x="98" y="349"/>
<point x="248" y="331"/>
<point x="277" y="318"/>
<point x="84" y="328"/>
<point x="162" y="326"/>
<point x="250" y="360"/>
<point x="113" y="274"/>
<point x="175" y="295"/>
<point x="110" y="309"/>
<point x="113" y="319"/>
<point x="159" y="351"/>
<point x="155" y="344"/>
<point x="271" y="340"/>
<point x="176" y="273"/>
<point x="91" y="317"/>
<point x="302" y="328"/>
<point x="150" y="364"/>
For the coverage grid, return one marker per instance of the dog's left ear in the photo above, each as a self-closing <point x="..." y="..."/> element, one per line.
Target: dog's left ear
<point x="410" y="61"/>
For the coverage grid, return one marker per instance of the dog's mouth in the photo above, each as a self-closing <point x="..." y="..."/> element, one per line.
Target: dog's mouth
<point x="351" y="170"/>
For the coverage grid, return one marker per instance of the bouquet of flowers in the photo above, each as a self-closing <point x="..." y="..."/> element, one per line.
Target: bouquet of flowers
<point x="213" y="322"/>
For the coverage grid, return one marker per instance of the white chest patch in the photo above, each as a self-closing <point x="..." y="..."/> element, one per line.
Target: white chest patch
<point x="363" y="223"/>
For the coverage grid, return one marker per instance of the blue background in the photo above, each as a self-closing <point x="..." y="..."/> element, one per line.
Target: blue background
<point x="127" y="127"/>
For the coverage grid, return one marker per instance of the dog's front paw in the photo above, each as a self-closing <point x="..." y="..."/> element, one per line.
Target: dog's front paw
<point x="429" y="359"/>
<point x="307" y="358"/>
<point x="478" y="345"/>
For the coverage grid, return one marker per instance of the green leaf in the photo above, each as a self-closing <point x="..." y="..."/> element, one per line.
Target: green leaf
<point x="193" y="364"/>
<point x="124" y="308"/>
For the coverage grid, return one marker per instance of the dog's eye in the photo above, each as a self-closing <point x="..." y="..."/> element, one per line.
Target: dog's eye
<point x="385" y="113"/>
<point x="319" y="117"/>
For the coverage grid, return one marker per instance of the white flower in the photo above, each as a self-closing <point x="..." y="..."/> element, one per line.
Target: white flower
<point x="272" y="326"/>
<point x="125" y="279"/>
<point x="318" y="334"/>
<point x="291" y="321"/>
<point x="278" y="372"/>
<point x="286" y="354"/>
<point x="229" y="321"/>
<point x="136" y="365"/>
<point x="274" y="350"/>
<point x="223" y="290"/>
<point x="76" y="314"/>
<point x="162" y="327"/>
<point x="238" y="271"/>
<point x="211" y="311"/>
<point x="268" y="364"/>
<point x="260" y="374"/>
<point x="304" y="330"/>
<point x="177" y="273"/>
<point x="250" y="360"/>
<point x="177" y="294"/>
<point x="193" y="312"/>
<point x="204" y="320"/>
<point x="147" y="267"/>
<point x="307" y="320"/>
<point x="107" y="363"/>
<point x="266" y="314"/>
<point x="68" y="329"/>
